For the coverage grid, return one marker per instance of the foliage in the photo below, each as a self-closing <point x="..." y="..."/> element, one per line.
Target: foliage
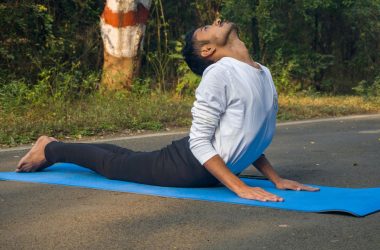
<point x="164" y="39"/>
<point x="52" y="85"/>
<point x="141" y="87"/>
<point x="51" y="57"/>
<point x="41" y="38"/>
<point x="188" y="81"/>
<point x="324" y="39"/>
<point x="368" y="89"/>
<point x="53" y="48"/>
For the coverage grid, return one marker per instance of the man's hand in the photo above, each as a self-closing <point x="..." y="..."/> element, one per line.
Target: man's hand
<point x="256" y="193"/>
<point x="264" y="166"/>
<point x="217" y="168"/>
<point x="293" y="185"/>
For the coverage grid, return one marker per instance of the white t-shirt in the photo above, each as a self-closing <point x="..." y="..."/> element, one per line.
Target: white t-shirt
<point x="234" y="114"/>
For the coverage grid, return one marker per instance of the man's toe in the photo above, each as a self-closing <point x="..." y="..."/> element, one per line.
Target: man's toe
<point x="19" y="165"/>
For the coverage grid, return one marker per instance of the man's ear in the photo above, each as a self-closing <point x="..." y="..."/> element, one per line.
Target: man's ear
<point x="207" y="50"/>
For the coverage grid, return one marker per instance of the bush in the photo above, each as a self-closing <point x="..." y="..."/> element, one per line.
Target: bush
<point x="368" y="89"/>
<point x="45" y="38"/>
<point x="52" y="85"/>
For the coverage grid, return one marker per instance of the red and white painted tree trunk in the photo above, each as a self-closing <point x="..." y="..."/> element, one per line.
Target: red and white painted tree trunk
<point x="122" y="27"/>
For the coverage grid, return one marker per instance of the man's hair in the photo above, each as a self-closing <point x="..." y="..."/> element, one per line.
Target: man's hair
<point x="190" y="52"/>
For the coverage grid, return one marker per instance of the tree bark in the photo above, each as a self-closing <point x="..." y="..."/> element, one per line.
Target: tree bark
<point x="122" y="27"/>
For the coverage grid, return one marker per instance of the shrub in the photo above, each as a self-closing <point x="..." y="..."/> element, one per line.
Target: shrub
<point x="368" y="89"/>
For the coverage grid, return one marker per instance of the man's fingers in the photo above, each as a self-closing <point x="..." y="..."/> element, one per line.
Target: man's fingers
<point x="260" y="195"/>
<point x="301" y="187"/>
<point x="309" y="188"/>
<point x="272" y="197"/>
<point x="292" y="186"/>
<point x="269" y="196"/>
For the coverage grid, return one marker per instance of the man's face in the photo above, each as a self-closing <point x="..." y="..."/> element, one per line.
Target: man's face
<point x="216" y="33"/>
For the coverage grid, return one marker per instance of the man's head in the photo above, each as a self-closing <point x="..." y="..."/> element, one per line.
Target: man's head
<point x="207" y="44"/>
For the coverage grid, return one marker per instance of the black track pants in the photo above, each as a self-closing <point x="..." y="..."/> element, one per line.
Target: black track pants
<point x="172" y="166"/>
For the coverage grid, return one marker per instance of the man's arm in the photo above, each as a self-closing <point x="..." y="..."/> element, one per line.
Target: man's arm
<point x="216" y="166"/>
<point x="264" y="166"/>
<point x="211" y="102"/>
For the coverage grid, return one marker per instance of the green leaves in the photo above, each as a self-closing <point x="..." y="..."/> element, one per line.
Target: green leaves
<point x="320" y="41"/>
<point x="323" y="45"/>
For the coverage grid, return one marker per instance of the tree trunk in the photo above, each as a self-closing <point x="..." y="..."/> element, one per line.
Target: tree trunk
<point x="122" y="27"/>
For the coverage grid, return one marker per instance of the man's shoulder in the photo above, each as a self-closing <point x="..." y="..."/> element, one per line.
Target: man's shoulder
<point x="218" y="69"/>
<point x="215" y="76"/>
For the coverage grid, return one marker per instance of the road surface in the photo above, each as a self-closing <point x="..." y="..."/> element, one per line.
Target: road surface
<point x="342" y="152"/>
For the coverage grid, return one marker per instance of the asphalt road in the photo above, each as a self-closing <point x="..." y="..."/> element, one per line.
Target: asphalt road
<point x="342" y="152"/>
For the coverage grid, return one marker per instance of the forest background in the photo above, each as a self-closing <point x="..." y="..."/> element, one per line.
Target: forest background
<point x="323" y="55"/>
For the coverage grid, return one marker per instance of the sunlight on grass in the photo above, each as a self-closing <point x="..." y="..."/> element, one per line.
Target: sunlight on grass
<point x="306" y="107"/>
<point x="122" y="113"/>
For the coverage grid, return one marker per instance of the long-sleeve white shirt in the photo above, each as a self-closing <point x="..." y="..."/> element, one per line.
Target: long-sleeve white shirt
<point x="234" y="114"/>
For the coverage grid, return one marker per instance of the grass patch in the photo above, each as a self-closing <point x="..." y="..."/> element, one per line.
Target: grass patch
<point x="308" y="107"/>
<point x="122" y="112"/>
<point x="94" y="115"/>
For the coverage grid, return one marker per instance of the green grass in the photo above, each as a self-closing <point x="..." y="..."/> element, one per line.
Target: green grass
<point x="103" y="115"/>
<point x="94" y="115"/>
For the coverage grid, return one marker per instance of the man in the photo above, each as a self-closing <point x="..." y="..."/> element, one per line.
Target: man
<point x="234" y="118"/>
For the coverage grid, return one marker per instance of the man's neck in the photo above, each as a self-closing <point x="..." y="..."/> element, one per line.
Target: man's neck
<point x="236" y="49"/>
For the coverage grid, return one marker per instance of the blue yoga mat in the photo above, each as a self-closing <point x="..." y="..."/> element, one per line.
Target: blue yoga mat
<point x="358" y="202"/>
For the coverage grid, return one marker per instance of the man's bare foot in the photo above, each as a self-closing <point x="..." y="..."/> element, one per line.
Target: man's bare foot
<point x="35" y="159"/>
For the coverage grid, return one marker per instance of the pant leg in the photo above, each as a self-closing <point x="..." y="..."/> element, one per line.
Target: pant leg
<point x="142" y="167"/>
<point x="111" y="147"/>
<point x="173" y="165"/>
<point x="83" y="154"/>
